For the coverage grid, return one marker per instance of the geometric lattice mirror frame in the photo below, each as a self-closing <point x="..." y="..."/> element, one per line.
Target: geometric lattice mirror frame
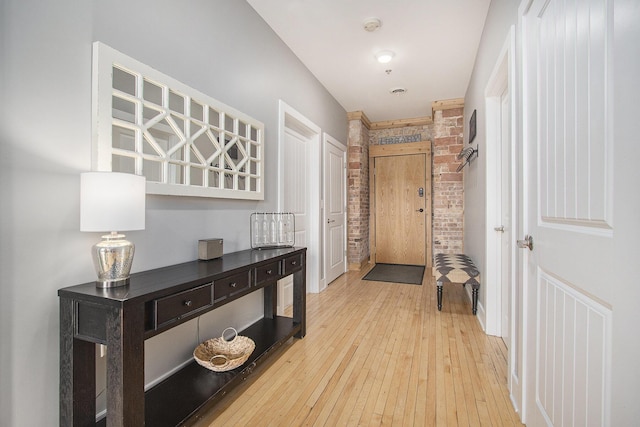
<point x="183" y="141"/>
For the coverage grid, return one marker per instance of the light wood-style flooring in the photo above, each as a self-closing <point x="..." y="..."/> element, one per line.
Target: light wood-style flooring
<point x="379" y="354"/>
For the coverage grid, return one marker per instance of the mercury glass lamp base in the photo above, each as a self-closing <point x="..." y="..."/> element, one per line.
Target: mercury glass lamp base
<point x="112" y="259"/>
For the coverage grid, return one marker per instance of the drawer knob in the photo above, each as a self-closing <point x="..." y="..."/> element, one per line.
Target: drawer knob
<point x="268" y="271"/>
<point x="233" y="285"/>
<point x="188" y="303"/>
<point x="294" y="262"/>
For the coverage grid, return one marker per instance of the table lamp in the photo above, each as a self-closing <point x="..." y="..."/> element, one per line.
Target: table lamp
<point x="112" y="201"/>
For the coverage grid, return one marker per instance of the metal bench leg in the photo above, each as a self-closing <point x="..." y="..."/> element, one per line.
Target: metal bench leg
<point x="474" y="295"/>
<point x="439" y="284"/>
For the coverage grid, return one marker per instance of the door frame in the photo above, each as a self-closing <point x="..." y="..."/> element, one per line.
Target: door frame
<point x="421" y="147"/>
<point x="289" y="118"/>
<point x="502" y="78"/>
<point x="328" y="139"/>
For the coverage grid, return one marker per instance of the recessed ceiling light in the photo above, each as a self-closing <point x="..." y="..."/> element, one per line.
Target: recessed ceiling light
<point x="385" y="56"/>
<point x="371" y="24"/>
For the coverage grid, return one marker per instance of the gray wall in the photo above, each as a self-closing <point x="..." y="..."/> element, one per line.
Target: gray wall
<point x="219" y="47"/>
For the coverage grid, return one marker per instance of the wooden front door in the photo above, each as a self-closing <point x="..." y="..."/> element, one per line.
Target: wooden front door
<point x="400" y="209"/>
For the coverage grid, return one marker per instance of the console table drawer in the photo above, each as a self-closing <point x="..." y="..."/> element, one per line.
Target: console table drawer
<point x="267" y="272"/>
<point x="292" y="264"/>
<point x="176" y="306"/>
<point x="227" y="286"/>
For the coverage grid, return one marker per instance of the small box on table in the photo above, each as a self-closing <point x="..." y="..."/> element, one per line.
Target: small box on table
<point x="209" y="249"/>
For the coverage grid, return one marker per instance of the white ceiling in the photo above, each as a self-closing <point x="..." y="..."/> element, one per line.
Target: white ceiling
<point x="435" y="44"/>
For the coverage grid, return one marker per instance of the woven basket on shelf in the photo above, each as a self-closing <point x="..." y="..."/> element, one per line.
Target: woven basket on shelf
<point x="219" y="354"/>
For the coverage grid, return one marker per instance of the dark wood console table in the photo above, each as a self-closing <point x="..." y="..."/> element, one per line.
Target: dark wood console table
<point x="155" y="301"/>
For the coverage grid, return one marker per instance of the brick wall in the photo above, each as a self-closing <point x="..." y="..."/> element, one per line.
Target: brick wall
<point x="448" y="188"/>
<point x="358" y="193"/>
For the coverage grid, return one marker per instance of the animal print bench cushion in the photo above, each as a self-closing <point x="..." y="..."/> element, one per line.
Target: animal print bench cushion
<point x="456" y="268"/>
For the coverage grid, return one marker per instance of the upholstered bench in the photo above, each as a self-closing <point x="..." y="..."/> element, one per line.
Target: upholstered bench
<point x="456" y="268"/>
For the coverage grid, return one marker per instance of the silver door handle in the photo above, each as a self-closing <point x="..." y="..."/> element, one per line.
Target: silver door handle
<point x="526" y="243"/>
<point x="500" y="229"/>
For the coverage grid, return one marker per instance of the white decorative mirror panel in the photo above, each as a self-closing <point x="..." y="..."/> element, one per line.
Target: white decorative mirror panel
<point x="183" y="141"/>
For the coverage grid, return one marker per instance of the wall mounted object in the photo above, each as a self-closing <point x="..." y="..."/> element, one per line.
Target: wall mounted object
<point x="467" y="155"/>
<point x="184" y="142"/>
<point x="472" y="127"/>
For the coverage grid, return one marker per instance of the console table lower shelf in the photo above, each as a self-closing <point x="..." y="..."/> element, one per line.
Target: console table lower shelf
<point x="184" y="397"/>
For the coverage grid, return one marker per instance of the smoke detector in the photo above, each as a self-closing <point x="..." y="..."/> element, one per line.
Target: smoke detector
<point x="397" y="91"/>
<point x="371" y="24"/>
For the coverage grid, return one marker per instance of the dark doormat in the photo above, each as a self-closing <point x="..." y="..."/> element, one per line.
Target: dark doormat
<point x="397" y="273"/>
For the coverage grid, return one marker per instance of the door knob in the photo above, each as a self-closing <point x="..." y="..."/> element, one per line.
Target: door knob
<point x="420" y="210"/>
<point x="500" y="229"/>
<point x="329" y="221"/>
<point x="526" y="243"/>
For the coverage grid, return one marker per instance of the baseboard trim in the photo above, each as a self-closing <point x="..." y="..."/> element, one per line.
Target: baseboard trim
<point x="356" y="267"/>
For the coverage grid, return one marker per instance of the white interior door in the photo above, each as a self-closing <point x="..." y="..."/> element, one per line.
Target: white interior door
<point x="295" y="198"/>
<point x="568" y="211"/>
<point x="335" y="231"/>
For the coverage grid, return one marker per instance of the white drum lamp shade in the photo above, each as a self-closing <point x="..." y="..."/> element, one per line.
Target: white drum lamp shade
<point x="112" y="202"/>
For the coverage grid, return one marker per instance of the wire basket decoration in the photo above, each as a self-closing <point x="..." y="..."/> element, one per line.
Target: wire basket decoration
<point x="272" y="230"/>
<point x="221" y="355"/>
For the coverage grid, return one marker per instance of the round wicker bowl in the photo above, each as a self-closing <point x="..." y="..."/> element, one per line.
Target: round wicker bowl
<point x="219" y="354"/>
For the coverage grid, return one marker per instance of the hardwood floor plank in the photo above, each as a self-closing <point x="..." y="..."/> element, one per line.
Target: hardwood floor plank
<point x="466" y="380"/>
<point x="371" y="411"/>
<point x="409" y="367"/>
<point x="371" y="368"/>
<point x="379" y="353"/>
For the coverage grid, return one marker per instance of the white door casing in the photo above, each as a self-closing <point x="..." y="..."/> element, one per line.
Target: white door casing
<point x="501" y="303"/>
<point x="505" y="217"/>
<point x="298" y="180"/>
<point x="567" y="208"/>
<point x="335" y="212"/>
<point x="294" y="199"/>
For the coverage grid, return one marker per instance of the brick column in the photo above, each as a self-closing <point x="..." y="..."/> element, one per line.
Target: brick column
<point x="448" y="187"/>
<point x="358" y="191"/>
